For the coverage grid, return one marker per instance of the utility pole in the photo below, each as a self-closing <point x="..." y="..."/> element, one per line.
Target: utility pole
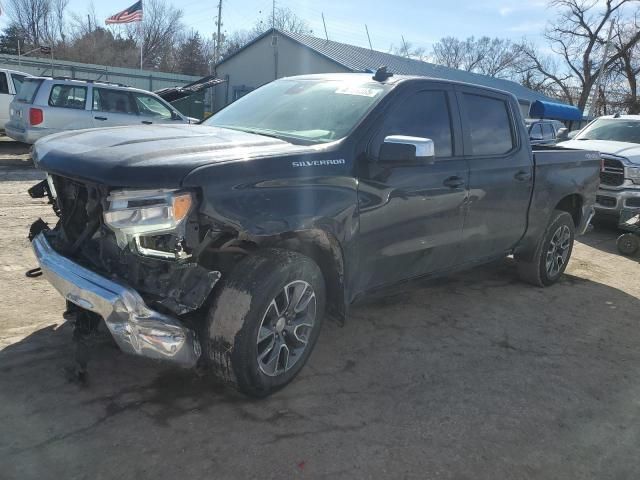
<point x="600" y="72"/>
<point x="325" y="28"/>
<point x="404" y="44"/>
<point x="368" y="37"/>
<point x="219" y="34"/>
<point x="273" y="14"/>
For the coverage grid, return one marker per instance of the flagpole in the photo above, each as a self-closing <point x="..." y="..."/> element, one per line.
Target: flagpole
<point x="141" y="41"/>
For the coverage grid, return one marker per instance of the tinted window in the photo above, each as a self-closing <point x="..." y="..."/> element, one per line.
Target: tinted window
<point x="17" y="81"/>
<point x="152" y="107"/>
<point x="489" y="125"/>
<point x="68" y="96"/>
<point x="4" y="86"/>
<point x="424" y="114"/>
<point x="28" y="90"/>
<point x="113" y="101"/>
<point x="547" y="131"/>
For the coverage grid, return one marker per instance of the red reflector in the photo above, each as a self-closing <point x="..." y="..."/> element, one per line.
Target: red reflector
<point x="36" y="116"/>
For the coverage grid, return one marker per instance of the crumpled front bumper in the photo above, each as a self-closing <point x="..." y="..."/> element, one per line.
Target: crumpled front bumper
<point x="136" y="328"/>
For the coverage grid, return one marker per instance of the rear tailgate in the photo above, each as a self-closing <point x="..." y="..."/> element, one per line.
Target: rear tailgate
<point x="19" y="111"/>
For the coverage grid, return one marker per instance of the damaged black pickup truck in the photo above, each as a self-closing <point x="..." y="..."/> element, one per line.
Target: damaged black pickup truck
<point x="224" y="244"/>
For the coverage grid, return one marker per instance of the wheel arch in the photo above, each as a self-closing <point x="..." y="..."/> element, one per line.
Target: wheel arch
<point x="572" y="204"/>
<point x="324" y="249"/>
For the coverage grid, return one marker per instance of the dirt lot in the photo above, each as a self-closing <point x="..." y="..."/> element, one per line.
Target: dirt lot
<point x="478" y="376"/>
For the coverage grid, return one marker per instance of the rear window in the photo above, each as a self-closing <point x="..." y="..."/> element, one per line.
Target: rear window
<point x="68" y="96"/>
<point x="489" y="125"/>
<point x="28" y="90"/>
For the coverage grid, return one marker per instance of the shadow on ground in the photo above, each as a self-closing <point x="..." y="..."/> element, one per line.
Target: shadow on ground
<point x="476" y="376"/>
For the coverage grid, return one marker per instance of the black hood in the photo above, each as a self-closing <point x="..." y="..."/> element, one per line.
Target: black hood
<point x="150" y="156"/>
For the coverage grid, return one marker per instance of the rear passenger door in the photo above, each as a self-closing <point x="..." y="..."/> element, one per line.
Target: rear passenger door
<point x="112" y="107"/>
<point x="69" y="110"/>
<point x="500" y="173"/>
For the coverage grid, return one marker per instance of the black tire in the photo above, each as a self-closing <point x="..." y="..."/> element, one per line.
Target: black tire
<point x="244" y="307"/>
<point x="537" y="271"/>
<point x="628" y="244"/>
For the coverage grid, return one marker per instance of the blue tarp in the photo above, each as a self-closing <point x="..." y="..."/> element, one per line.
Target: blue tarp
<point x="554" y="111"/>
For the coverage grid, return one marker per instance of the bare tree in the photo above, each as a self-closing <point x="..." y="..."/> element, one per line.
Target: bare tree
<point x="283" y="19"/>
<point x="628" y="65"/>
<point x="409" y="50"/>
<point x="449" y="52"/>
<point x="577" y="37"/>
<point x="31" y="17"/>
<point x="162" y="22"/>
<point x="495" y="57"/>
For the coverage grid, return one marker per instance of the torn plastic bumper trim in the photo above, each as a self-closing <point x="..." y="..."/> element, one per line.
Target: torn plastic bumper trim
<point x="136" y="328"/>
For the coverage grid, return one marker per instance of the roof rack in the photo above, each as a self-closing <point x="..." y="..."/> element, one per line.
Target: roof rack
<point x="104" y="82"/>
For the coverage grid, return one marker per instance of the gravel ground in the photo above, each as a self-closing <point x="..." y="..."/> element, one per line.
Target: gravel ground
<point x="472" y="377"/>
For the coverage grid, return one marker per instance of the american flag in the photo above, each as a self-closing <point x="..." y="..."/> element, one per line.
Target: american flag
<point x="131" y="14"/>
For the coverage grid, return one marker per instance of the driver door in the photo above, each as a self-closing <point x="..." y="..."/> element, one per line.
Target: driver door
<point x="412" y="215"/>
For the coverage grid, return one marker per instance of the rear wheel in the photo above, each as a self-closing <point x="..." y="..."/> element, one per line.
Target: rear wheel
<point x="552" y="252"/>
<point x="628" y="244"/>
<point x="265" y="321"/>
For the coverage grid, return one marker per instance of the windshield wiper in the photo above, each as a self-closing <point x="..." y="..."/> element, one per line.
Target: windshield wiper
<point x="264" y="133"/>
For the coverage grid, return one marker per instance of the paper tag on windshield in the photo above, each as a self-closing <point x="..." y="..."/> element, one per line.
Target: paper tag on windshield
<point x="360" y="91"/>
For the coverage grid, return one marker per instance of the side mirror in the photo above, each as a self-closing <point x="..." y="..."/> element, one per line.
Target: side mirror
<point x="562" y="133"/>
<point x="401" y="149"/>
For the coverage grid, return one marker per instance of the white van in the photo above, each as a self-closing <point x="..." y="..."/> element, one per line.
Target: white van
<point x="10" y="82"/>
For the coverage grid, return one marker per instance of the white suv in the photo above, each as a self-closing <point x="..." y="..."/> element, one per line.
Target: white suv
<point x="49" y="105"/>
<point x="10" y="81"/>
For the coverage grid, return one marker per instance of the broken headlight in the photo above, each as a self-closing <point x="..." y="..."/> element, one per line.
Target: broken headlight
<point x="133" y="214"/>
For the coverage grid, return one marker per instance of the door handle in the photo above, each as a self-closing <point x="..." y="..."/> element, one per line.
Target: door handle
<point x="100" y="118"/>
<point x="522" y="176"/>
<point x="147" y="122"/>
<point x="453" y="182"/>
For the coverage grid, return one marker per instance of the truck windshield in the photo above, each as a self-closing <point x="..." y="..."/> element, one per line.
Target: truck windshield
<point x="311" y="111"/>
<point x="616" y="130"/>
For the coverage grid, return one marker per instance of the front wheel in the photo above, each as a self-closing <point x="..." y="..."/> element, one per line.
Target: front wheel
<point x="552" y="253"/>
<point x="265" y="321"/>
<point x="628" y="244"/>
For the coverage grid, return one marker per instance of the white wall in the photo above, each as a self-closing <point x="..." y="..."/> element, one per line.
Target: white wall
<point x="257" y="65"/>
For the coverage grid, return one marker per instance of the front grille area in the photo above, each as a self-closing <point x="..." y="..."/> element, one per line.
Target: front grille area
<point x="612" y="173"/>
<point x="80" y="208"/>
<point x="632" y="202"/>
<point x="608" y="202"/>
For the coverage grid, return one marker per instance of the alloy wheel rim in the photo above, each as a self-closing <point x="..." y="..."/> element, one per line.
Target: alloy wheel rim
<point x="286" y="328"/>
<point x="558" y="250"/>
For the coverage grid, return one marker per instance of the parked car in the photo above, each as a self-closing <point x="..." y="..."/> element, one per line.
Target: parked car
<point x="545" y="132"/>
<point x="617" y="137"/>
<point x="50" y="105"/>
<point x="10" y="82"/>
<point x="225" y="243"/>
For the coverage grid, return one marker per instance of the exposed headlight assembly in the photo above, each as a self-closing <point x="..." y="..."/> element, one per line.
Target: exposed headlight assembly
<point x="133" y="214"/>
<point x="633" y="174"/>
